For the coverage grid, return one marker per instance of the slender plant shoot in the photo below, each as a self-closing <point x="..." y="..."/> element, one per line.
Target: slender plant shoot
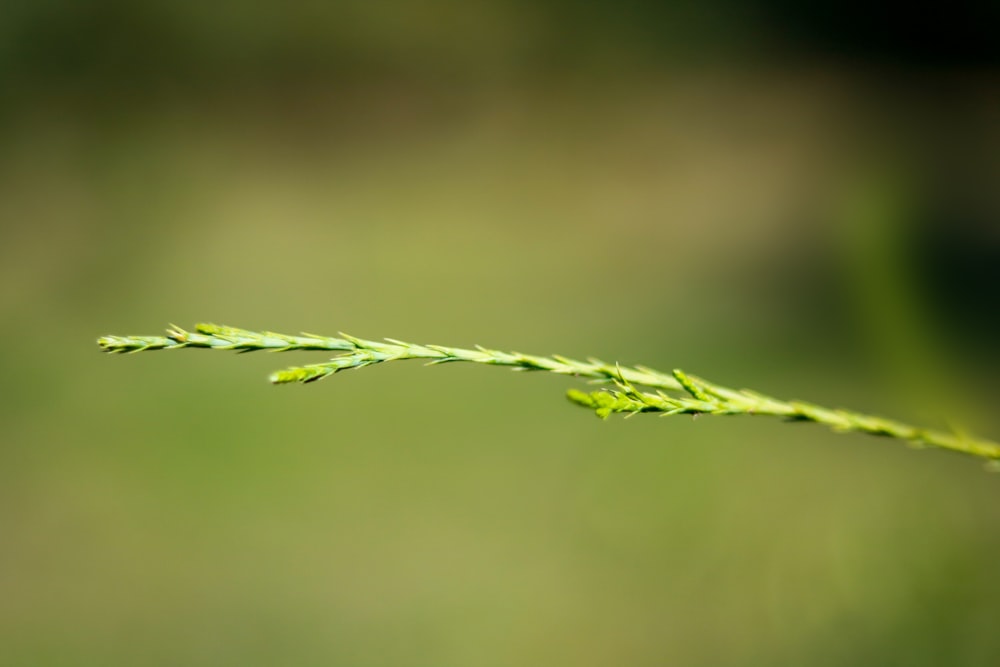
<point x="629" y="389"/>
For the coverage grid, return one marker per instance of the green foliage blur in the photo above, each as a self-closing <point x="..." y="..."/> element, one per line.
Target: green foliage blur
<point x="801" y="200"/>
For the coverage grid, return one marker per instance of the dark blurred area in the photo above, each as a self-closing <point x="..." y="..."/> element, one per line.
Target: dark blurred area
<point x="799" y="198"/>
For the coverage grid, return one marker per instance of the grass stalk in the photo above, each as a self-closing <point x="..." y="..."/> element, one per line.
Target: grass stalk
<point x="690" y="395"/>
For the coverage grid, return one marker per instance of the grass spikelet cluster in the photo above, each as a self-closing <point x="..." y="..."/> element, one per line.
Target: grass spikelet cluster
<point x="627" y="390"/>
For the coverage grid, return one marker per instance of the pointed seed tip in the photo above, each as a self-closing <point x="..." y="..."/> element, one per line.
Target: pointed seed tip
<point x="286" y="376"/>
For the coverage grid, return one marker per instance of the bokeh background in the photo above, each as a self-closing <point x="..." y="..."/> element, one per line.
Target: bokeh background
<point x="797" y="198"/>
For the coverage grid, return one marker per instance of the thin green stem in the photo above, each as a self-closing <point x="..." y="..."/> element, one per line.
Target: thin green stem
<point x="707" y="398"/>
<point x="360" y="352"/>
<point x="699" y="397"/>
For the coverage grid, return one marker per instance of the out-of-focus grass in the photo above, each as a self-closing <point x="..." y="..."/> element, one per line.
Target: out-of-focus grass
<point x="175" y="508"/>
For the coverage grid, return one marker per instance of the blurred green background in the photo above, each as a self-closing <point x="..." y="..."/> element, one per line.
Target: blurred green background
<point x="798" y="199"/>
